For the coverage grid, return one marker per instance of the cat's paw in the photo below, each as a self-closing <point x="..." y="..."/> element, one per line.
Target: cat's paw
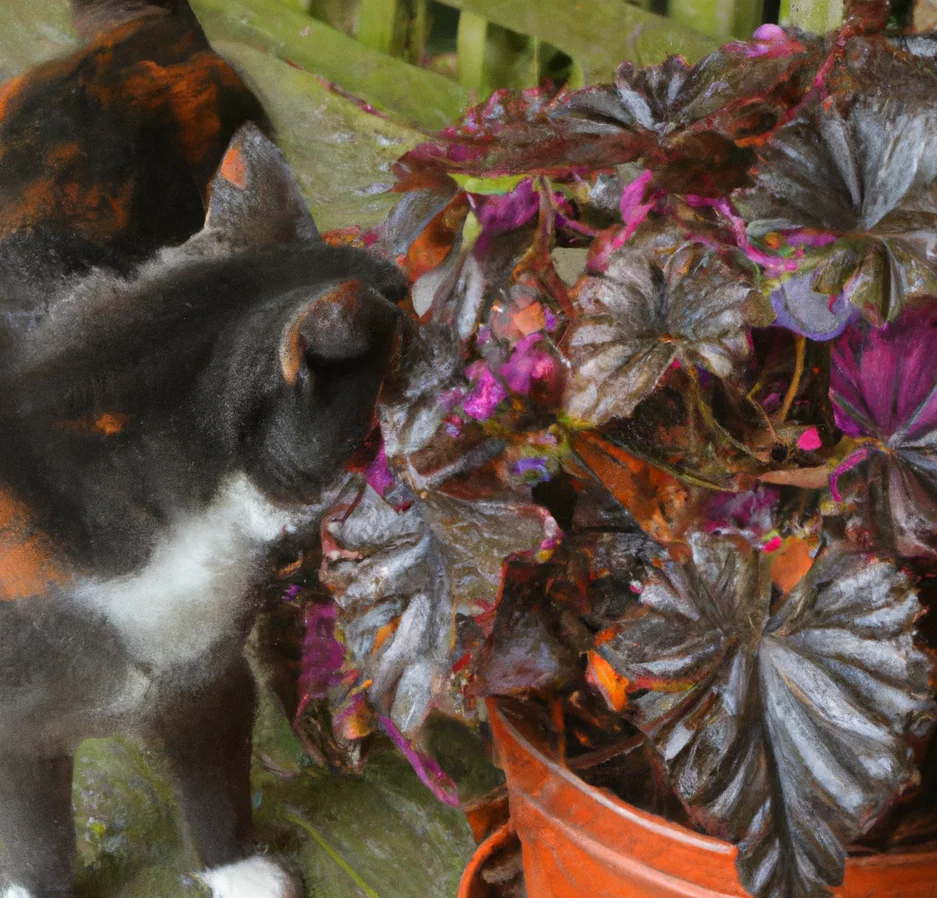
<point x="255" y="877"/>
<point x="15" y="892"/>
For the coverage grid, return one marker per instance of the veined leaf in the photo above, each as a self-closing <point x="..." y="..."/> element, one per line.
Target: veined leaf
<point x="865" y="175"/>
<point x="782" y="719"/>
<point x="643" y="315"/>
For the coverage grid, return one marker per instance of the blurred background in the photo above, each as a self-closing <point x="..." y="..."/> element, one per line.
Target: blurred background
<point x="324" y="66"/>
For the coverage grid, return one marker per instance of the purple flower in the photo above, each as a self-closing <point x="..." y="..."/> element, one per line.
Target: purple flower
<point x="536" y="465"/>
<point x="291" y="593"/>
<point x="801" y="309"/>
<point x="379" y="475"/>
<point x="528" y="364"/>
<point x="500" y="214"/>
<point x="322" y="656"/>
<point x="486" y="392"/>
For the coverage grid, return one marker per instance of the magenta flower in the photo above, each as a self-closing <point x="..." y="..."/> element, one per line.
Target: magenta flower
<point x="322" y="655"/>
<point x="379" y="475"/>
<point x="747" y="514"/>
<point x="486" y="392"/>
<point x="529" y="365"/>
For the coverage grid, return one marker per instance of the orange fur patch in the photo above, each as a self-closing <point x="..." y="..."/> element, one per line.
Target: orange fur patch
<point x="233" y="168"/>
<point x="29" y="564"/>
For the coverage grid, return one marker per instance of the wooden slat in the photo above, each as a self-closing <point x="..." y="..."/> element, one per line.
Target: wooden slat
<point x="596" y="34"/>
<point x="470" y="50"/>
<point x="816" y="15"/>
<point x="718" y="18"/>
<point x="405" y="92"/>
<point x="376" y="21"/>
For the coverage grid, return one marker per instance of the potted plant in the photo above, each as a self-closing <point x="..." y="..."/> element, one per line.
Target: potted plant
<point x="665" y="466"/>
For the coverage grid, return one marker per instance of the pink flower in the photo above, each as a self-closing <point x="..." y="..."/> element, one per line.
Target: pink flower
<point x="529" y="364"/>
<point x="486" y="392"/>
<point x="809" y="440"/>
<point x="771" y="41"/>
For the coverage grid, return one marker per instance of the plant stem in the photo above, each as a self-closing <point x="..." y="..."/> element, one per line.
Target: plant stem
<point x="333" y="854"/>
<point x="559" y="724"/>
<point x="710" y="419"/>
<point x="471" y="39"/>
<point x="801" y="346"/>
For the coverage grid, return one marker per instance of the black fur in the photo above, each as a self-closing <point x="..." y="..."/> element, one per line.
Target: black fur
<point x="127" y="403"/>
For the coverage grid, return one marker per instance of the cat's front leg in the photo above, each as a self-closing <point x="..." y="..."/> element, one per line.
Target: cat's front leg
<point x="37" y="828"/>
<point x="205" y="732"/>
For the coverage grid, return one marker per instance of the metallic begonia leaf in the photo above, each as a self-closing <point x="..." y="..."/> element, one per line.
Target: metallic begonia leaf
<point x="782" y="720"/>
<point x="641" y="316"/>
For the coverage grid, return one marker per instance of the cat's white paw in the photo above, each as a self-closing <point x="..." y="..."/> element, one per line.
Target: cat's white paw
<point x="15" y="892"/>
<point x="256" y="877"/>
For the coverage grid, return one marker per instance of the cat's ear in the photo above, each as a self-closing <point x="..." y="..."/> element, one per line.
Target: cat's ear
<point x="255" y="200"/>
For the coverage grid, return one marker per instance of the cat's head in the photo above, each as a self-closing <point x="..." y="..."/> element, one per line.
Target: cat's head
<point x="299" y="371"/>
<point x="254" y="347"/>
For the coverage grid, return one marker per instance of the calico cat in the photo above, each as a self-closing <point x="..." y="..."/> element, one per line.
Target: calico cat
<point x="110" y="151"/>
<point x="163" y="425"/>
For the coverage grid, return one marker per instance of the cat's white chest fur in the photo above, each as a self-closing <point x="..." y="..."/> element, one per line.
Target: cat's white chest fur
<point x="192" y="593"/>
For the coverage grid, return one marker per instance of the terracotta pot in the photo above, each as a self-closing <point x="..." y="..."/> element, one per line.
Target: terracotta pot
<point x="581" y="842"/>
<point x="472" y="885"/>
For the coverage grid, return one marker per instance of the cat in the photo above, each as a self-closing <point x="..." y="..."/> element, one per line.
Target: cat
<point x="167" y="417"/>
<point x="111" y="150"/>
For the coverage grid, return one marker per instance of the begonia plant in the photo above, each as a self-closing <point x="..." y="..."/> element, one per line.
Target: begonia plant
<point x="667" y="441"/>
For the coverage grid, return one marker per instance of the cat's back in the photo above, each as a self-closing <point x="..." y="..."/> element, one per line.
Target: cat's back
<point x="113" y="148"/>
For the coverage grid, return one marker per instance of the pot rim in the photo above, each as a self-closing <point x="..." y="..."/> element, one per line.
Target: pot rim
<point x="483" y="853"/>
<point x="652" y="822"/>
<point x="661" y="826"/>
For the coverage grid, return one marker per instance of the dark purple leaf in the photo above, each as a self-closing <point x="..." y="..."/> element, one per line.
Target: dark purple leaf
<point x="883" y="387"/>
<point x="866" y="175"/>
<point x="782" y="720"/>
<point x="751" y="514"/>
<point x="412" y="410"/>
<point x="400" y="578"/>
<point x="526" y="649"/>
